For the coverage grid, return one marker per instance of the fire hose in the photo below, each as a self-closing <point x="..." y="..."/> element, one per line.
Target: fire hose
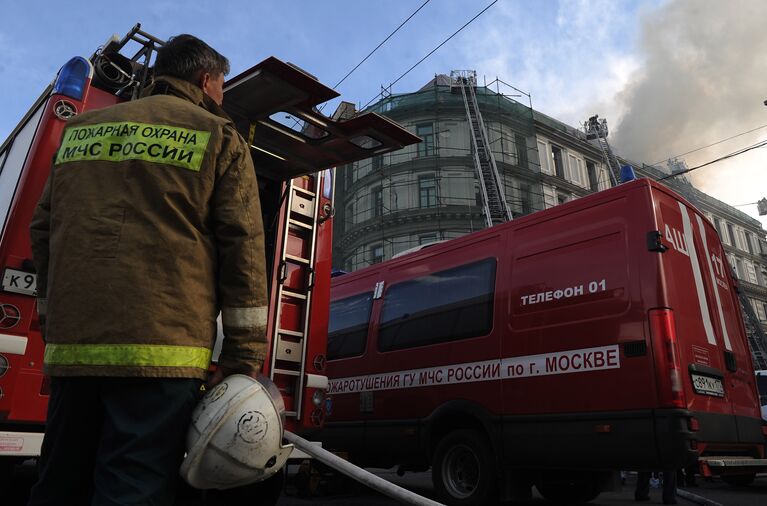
<point x="367" y="478"/>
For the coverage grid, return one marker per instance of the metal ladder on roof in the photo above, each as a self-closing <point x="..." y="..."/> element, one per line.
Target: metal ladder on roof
<point x="596" y="130"/>
<point x="294" y="290"/>
<point x="496" y="209"/>
<point x="756" y="336"/>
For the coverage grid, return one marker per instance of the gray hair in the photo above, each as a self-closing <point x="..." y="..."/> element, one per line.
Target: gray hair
<point x="187" y="57"/>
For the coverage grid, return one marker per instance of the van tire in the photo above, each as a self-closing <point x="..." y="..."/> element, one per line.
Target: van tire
<point x="570" y="487"/>
<point x="464" y="470"/>
<point x="739" y="480"/>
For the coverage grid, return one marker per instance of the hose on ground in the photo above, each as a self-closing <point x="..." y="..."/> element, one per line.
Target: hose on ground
<point x="365" y="477"/>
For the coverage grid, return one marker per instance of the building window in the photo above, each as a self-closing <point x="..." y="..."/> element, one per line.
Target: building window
<point x="731" y="234"/>
<point x="521" y="146"/>
<point x="439" y="307"/>
<point x="377" y="162"/>
<point x="349" y="216"/>
<point x="751" y="272"/>
<point x="749" y="238"/>
<point x="556" y="159"/>
<point x="575" y="170"/>
<point x="718" y="226"/>
<point x="376" y="253"/>
<point x="426" y="132"/>
<point x="376" y="197"/>
<point x="561" y="198"/>
<point x="427" y="238"/>
<point x="591" y="168"/>
<point x="543" y="158"/>
<point x="525" y="192"/>
<point x="348" y="326"/>
<point x="427" y="191"/>
<point x="348" y="170"/>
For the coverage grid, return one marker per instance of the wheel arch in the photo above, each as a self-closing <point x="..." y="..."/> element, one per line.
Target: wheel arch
<point x="460" y="414"/>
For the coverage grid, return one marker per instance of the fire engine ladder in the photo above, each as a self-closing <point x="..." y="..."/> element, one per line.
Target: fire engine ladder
<point x="596" y="130"/>
<point x="756" y="336"/>
<point x="295" y="283"/>
<point x="496" y="209"/>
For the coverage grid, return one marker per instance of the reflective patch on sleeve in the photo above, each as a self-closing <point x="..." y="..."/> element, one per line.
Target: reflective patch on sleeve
<point x="116" y="142"/>
<point x="244" y="317"/>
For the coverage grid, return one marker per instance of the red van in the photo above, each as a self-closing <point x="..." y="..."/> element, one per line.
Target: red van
<point x="602" y="334"/>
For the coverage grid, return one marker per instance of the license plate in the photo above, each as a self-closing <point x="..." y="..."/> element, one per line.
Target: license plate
<point x="707" y="385"/>
<point x="19" y="282"/>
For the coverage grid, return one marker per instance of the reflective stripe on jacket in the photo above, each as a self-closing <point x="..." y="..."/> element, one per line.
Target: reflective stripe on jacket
<point x="149" y="225"/>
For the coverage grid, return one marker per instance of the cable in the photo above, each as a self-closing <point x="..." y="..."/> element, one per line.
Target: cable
<point x="725" y="157"/>
<point x="430" y="53"/>
<point x="381" y="44"/>
<point x="708" y="146"/>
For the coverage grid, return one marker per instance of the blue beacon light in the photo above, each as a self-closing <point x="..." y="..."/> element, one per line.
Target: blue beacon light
<point x="73" y="77"/>
<point x="627" y="174"/>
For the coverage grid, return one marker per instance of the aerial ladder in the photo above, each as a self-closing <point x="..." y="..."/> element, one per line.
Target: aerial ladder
<point x="496" y="210"/>
<point x="596" y="130"/>
<point x="756" y="336"/>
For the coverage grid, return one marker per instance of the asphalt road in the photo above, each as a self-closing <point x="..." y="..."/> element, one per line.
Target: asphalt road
<point x="345" y="494"/>
<point x="716" y="490"/>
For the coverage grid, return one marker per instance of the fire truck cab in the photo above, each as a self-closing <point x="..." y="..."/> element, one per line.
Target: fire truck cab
<point x="602" y="334"/>
<point x="294" y="149"/>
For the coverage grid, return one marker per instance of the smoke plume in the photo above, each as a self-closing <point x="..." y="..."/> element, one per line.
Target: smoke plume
<point x="703" y="78"/>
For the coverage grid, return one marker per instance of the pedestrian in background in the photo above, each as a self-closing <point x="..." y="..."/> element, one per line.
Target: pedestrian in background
<point x="642" y="491"/>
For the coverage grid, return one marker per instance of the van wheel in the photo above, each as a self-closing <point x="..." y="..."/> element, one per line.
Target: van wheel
<point x="739" y="480"/>
<point x="265" y="493"/>
<point x="463" y="469"/>
<point x="571" y="488"/>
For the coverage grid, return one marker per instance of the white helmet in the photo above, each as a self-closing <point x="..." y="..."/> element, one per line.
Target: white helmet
<point x="236" y="435"/>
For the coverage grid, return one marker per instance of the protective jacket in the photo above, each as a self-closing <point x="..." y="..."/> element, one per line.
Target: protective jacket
<point x="150" y="224"/>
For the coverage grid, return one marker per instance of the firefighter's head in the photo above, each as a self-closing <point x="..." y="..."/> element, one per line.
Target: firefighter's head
<point x="187" y="57"/>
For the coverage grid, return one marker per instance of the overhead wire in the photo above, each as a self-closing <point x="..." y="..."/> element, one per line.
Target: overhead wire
<point x="709" y="145"/>
<point x="430" y="53"/>
<point x="721" y="158"/>
<point x="381" y="44"/>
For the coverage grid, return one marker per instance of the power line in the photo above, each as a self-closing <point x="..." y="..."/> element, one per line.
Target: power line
<point x="430" y="53"/>
<point x="709" y="145"/>
<point x="725" y="157"/>
<point x="381" y="44"/>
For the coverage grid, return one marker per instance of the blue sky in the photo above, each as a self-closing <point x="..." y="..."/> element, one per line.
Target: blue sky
<point x="575" y="57"/>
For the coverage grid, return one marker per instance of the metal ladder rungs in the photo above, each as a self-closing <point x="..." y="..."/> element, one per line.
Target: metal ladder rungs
<point x="293" y="333"/>
<point x="297" y="259"/>
<point x="308" y="193"/>
<point x="299" y="224"/>
<point x="295" y="295"/>
<point x="286" y="372"/>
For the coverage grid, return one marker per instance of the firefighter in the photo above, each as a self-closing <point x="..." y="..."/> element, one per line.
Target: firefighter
<point x="149" y="224"/>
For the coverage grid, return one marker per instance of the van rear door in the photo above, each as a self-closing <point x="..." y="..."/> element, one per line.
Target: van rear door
<point x="716" y="366"/>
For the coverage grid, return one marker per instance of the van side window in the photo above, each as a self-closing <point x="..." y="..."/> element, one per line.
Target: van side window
<point x="444" y="306"/>
<point x="348" y="327"/>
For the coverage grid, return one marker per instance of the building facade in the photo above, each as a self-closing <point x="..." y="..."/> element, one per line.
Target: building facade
<point x="430" y="192"/>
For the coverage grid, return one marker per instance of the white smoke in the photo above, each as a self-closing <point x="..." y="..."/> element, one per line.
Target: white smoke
<point x="702" y="78"/>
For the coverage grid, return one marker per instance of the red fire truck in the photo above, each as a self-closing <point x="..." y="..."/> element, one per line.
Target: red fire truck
<point x="602" y="334"/>
<point x="273" y="105"/>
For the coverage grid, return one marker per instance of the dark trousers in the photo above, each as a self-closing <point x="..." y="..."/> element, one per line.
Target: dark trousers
<point x="669" y="486"/>
<point x="114" y="441"/>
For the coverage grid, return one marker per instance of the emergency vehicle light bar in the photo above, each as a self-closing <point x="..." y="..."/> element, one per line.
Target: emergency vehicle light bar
<point x="312" y="141"/>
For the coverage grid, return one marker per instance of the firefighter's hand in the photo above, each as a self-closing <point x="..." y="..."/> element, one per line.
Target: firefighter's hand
<point x="222" y="372"/>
